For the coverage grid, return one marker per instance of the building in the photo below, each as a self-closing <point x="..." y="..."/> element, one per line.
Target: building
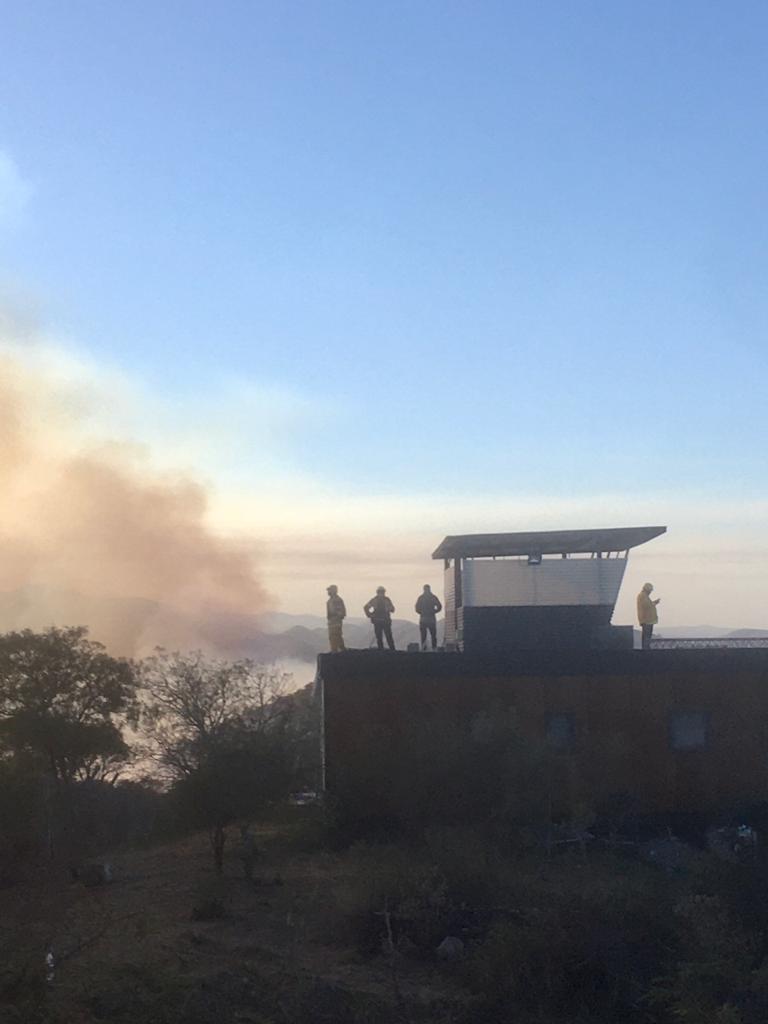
<point x="677" y="731"/>
<point x="673" y="731"/>
<point x="555" y="589"/>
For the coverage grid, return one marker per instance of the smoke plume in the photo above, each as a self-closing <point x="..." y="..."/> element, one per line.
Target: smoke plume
<point x="91" y="536"/>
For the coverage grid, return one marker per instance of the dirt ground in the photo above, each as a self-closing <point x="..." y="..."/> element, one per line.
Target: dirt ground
<point x="169" y="941"/>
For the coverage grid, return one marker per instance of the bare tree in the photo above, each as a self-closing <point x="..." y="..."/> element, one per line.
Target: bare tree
<point x="214" y="730"/>
<point x="189" y="700"/>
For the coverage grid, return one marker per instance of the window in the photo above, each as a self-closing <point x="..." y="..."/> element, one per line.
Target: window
<point x="688" y="730"/>
<point x="561" y="729"/>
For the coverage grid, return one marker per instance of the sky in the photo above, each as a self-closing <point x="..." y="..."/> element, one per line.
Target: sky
<point x="373" y="273"/>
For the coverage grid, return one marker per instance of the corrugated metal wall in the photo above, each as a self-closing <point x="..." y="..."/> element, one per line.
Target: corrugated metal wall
<point x="555" y="581"/>
<point x="449" y="601"/>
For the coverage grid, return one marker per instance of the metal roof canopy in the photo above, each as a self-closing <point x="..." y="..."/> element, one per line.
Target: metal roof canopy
<point x="548" y="542"/>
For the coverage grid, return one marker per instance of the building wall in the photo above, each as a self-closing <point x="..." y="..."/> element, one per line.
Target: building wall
<point x="569" y="627"/>
<point x="492" y="583"/>
<point x="678" y="730"/>
<point x="449" y="605"/>
<point x="507" y="604"/>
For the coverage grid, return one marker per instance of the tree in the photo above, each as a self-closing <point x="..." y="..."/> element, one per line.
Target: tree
<point x="63" y="702"/>
<point x="301" y="721"/>
<point x="217" y="732"/>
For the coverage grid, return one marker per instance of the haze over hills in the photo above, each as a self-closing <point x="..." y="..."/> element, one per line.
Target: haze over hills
<point x="276" y="637"/>
<point x="288" y="639"/>
<point x="714" y="632"/>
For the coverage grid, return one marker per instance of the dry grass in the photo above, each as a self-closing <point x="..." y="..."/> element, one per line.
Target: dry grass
<point x="132" y="951"/>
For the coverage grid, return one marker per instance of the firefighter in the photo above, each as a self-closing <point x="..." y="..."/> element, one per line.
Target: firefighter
<point x="647" y="614"/>
<point x="379" y="610"/>
<point x="428" y="606"/>
<point x="336" y="613"/>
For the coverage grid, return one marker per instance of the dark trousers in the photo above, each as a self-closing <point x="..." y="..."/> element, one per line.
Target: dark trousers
<point x="384" y="629"/>
<point x="647" y="628"/>
<point x="431" y="625"/>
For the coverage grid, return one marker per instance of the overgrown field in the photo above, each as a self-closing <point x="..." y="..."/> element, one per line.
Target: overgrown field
<point x="352" y="935"/>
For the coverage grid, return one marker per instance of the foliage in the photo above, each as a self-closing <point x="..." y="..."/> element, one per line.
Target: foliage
<point x="719" y="974"/>
<point x="550" y="940"/>
<point x="299" y="715"/>
<point x="241" y="773"/>
<point x="22" y="817"/>
<point x="218" y="732"/>
<point x="63" y="701"/>
<point x="190" y="702"/>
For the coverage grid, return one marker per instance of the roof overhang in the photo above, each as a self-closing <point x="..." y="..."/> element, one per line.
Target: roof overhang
<point x="548" y="542"/>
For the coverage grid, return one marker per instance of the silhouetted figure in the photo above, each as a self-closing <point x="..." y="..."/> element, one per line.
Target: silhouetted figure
<point x="336" y="612"/>
<point x="428" y="606"/>
<point x="379" y="610"/>
<point x="647" y="615"/>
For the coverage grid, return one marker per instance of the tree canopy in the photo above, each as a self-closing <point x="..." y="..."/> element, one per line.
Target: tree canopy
<point x="63" y="702"/>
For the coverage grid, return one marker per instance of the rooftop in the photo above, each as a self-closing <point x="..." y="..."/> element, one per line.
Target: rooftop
<point x="547" y="542"/>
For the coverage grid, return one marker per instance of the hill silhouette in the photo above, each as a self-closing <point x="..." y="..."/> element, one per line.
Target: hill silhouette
<point x="273" y="637"/>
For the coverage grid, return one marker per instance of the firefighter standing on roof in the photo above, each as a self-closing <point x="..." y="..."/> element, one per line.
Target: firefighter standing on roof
<point x="647" y="615"/>
<point x="379" y="610"/>
<point x="336" y="612"/>
<point x="428" y="605"/>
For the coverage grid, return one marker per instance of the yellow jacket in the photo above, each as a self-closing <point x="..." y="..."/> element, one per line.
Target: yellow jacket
<point x="646" y="608"/>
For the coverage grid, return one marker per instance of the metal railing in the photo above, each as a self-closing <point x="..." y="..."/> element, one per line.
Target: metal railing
<point x="703" y="642"/>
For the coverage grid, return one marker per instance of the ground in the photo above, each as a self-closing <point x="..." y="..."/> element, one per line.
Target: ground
<point x="167" y="941"/>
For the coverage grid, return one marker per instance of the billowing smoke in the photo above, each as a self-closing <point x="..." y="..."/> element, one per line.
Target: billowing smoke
<point x="90" y="536"/>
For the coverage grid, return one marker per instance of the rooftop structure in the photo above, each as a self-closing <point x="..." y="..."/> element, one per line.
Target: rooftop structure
<point x="547" y="542"/>
<point x="543" y="589"/>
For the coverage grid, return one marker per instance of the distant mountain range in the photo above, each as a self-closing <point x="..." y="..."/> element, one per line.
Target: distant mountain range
<point x="713" y="632"/>
<point x="136" y="625"/>
<point x="131" y="626"/>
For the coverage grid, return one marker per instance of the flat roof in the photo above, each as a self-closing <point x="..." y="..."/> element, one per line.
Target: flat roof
<point x="368" y="666"/>
<point x="547" y="542"/>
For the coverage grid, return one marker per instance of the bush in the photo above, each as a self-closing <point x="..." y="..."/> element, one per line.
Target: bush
<point x="410" y="891"/>
<point x="575" y="941"/>
<point x="22" y="822"/>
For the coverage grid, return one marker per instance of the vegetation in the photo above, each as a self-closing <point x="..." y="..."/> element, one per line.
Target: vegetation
<point x="450" y="895"/>
<point x="218" y="732"/>
<point x="63" y="703"/>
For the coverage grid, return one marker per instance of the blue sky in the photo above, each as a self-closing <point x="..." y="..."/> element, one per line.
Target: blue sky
<point x="467" y="249"/>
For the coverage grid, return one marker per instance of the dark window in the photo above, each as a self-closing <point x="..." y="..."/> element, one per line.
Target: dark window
<point x="688" y="730"/>
<point x="561" y="729"/>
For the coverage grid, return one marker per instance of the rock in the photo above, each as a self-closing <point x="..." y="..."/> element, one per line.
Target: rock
<point x="93" y="874"/>
<point x="451" y="948"/>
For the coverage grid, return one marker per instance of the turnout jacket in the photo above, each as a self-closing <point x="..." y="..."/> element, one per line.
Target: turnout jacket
<point x="428" y="605"/>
